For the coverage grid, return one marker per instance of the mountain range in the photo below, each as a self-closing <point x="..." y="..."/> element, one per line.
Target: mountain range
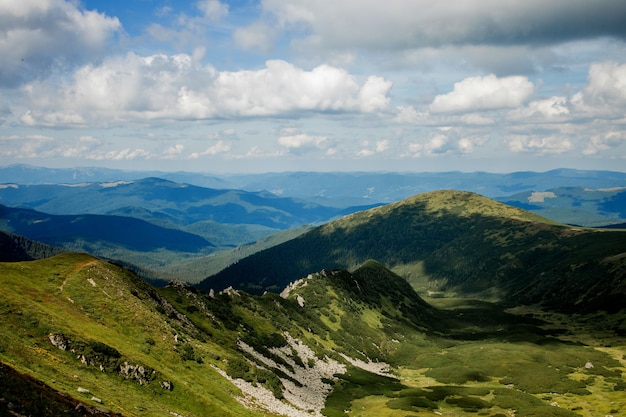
<point x="151" y="223"/>
<point x="165" y="229"/>
<point x="446" y="303"/>
<point x="335" y="189"/>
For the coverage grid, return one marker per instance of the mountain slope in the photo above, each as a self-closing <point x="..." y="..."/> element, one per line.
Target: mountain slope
<point x="100" y="332"/>
<point x="91" y="230"/>
<point x="102" y="336"/>
<point x="14" y="248"/>
<point x="334" y="343"/>
<point x="454" y="241"/>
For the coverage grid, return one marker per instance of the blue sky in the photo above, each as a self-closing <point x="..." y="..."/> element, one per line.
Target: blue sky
<point x="287" y="85"/>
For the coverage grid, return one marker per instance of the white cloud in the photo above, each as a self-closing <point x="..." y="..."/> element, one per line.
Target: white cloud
<point x="553" y="108"/>
<point x="607" y="83"/>
<point x="383" y="145"/>
<point x="484" y="93"/>
<point x="446" y="141"/>
<point x="177" y="87"/>
<point x="379" y="147"/>
<point x="213" y="9"/>
<point x="281" y="87"/>
<point x="37" y="34"/>
<point x="256" y="37"/>
<point x="408" y="114"/>
<point x="303" y="141"/>
<point x="476" y="119"/>
<point x="605" y="94"/>
<point x="219" y="147"/>
<point x="553" y="144"/>
<point x="124" y="154"/>
<point x="373" y="94"/>
<point x="605" y="142"/>
<point x="174" y="150"/>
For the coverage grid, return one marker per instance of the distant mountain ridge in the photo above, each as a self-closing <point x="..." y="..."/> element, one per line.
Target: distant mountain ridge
<point x="349" y="189"/>
<point x="593" y="207"/>
<point x="160" y="200"/>
<point x="342" y="188"/>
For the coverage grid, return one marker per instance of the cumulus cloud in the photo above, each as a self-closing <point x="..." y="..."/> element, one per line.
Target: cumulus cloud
<point x="423" y="23"/>
<point x="378" y="147"/>
<point x="552" y="108"/>
<point x="174" y="150"/>
<point x="383" y="145"/>
<point x="281" y="87"/>
<point x="552" y="144"/>
<point x="605" y="94"/>
<point x="121" y="155"/>
<point x="605" y="142"/>
<point x="220" y="147"/>
<point x="484" y="93"/>
<point x="37" y="35"/>
<point x="302" y="143"/>
<point x="607" y="83"/>
<point x="409" y="114"/>
<point x="177" y="87"/>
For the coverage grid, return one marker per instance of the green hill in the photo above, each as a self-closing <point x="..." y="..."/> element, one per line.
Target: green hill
<point x="458" y="243"/>
<point x="81" y="337"/>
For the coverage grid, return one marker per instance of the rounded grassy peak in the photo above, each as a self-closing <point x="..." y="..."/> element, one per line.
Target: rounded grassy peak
<point x="465" y="203"/>
<point x="444" y="203"/>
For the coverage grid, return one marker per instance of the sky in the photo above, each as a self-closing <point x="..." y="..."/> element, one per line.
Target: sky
<point x="314" y="85"/>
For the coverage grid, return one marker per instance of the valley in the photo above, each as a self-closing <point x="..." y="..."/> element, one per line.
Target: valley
<point x="445" y="303"/>
<point x="337" y="343"/>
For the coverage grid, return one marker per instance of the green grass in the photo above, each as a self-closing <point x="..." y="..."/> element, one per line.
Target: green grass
<point x="463" y="358"/>
<point x="108" y="321"/>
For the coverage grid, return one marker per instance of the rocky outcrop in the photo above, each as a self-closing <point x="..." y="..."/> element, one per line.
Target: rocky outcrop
<point x="59" y="341"/>
<point x="139" y="373"/>
<point x="305" y="388"/>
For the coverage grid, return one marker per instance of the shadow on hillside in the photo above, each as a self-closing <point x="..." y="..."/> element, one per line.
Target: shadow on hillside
<point x="475" y="320"/>
<point x="23" y="395"/>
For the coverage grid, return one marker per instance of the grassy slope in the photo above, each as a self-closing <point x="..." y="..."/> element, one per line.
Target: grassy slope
<point x="58" y="296"/>
<point x="195" y="270"/>
<point x="455" y="360"/>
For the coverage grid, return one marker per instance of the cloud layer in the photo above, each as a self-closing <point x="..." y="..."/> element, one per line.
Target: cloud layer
<point x="359" y="83"/>
<point x="132" y="87"/>
<point x="423" y="23"/>
<point x="37" y="35"/>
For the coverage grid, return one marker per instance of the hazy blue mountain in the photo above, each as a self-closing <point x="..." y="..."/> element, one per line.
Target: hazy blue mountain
<point x="166" y="202"/>
<point x="91" y="231"/>
<point x="575" y="205"/>
<point x="342" y="190"/>
<point x="30" y="175"/>
<point x="352" y="188"/>
<point x="339" y="189"/>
